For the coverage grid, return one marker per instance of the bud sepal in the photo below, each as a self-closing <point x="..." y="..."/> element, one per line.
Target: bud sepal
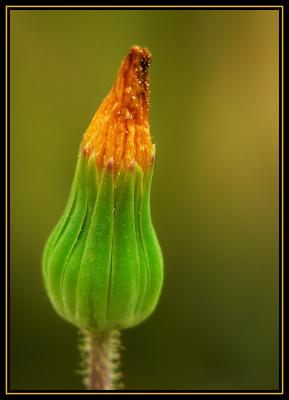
<point x="103" y="265"/>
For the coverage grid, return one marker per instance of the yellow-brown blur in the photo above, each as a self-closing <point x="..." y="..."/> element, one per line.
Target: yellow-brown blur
<point x="214" y="201"/>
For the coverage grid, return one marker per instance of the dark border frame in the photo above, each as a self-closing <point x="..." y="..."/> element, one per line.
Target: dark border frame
<point x="16" y="6"/>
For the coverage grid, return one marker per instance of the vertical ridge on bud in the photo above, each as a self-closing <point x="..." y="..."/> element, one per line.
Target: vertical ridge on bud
<point x="125" y="263"/>
<point x="63" y="220"/>
<point x="94" y="270"/>
<point x="144" y="274"/>
<point x="67" y="240"/>
<point x="151" y="248"/>
<point x="74" y="263"/>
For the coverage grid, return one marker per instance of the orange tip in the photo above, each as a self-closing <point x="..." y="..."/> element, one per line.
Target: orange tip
<point x="119" y="131"/>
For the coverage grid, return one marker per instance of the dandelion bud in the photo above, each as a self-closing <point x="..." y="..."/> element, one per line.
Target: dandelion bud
<point x="102" y="264"/>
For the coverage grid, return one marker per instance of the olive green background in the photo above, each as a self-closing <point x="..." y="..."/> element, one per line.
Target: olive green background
<point x="214" y="119"/>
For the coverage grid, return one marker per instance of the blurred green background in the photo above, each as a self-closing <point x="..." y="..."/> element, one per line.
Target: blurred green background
<point x="214" y="118"/>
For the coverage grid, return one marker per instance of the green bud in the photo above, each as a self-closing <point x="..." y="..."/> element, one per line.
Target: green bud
<point x="102" y="264"/>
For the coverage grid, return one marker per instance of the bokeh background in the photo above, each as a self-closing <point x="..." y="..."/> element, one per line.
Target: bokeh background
<point x="214" y="118"/>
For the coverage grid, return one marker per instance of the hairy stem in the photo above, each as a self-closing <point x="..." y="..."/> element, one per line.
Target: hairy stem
<point x="101" y="360"/>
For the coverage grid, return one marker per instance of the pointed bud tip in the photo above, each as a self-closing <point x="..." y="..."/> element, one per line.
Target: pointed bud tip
<point x="141" y="56"/>
<point x="120" y="127"/>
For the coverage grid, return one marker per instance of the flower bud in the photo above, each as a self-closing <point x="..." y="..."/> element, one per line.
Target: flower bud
<point x="102" y="264"/>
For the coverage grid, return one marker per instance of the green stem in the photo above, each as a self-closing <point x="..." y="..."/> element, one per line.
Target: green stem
<point x="101" y="360"/>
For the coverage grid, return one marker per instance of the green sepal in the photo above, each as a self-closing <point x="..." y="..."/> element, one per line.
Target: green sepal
<point x="152" y="250"/>
<point x="125" y="262"/>
<point x="95" y="268"/>
<point x="103" y="267"/>
<point x="50" y="244"/>
<point x="72" y="273"/>
<point x="58" y="253"/>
